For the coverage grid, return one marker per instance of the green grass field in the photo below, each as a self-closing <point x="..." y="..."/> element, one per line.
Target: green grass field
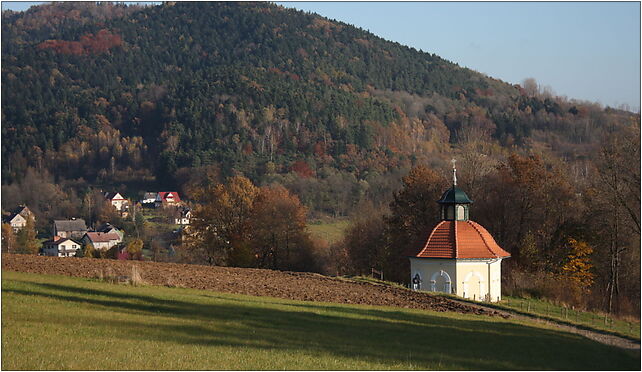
<point x="329" y="230"/>
<point x="54" y="322"/>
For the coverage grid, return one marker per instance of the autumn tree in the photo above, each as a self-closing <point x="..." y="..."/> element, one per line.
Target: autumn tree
<point x="279" y="234"/>
<point x="196" y="178"/>
<point x="97" y="209"/>
<point x="88" y="250"/>
<point x="614" y="206"/>
<point x="578" y="267"/>
<point x="413" y="213"/>
<point x="365" y="241"/>
<point x="157" y="251"/>
<point x="524" y="203"/>
<point x="45" y="197"/>
<point x="135" y="249"/>
<point x="26" y="241"/>
<point x="221" y="224"/>
<point x="8" y="238"/>
<point x="475" y="159"/>
<point x="530" y="86"/>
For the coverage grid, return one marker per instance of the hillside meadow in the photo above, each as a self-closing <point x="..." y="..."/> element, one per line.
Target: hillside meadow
<point x="55" y="322"/>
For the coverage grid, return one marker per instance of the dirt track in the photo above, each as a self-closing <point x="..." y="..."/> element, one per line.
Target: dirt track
<point x="254" y="282"/>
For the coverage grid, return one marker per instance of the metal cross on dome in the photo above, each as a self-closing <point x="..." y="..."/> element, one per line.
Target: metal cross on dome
<point x="454" y="172"/>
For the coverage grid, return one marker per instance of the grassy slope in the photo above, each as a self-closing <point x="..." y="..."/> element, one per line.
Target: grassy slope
<point x="593" y="320"/>
<point x="545" y="309"/>
<point x="331" y="230"/>
<point x="53" y="322"/>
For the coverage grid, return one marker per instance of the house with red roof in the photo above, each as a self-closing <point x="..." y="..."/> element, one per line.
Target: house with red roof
<point x="167" y="198"/>
<point x="459" y="256"/>
<point x="101" y="240"/>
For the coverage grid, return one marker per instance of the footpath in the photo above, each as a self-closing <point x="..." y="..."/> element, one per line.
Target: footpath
<point x="593" y="334"/>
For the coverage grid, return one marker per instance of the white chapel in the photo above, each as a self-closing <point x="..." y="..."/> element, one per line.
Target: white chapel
<point x="459" y="256"/>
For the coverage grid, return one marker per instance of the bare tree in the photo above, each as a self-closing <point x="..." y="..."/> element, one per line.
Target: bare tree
<point x="530" y="86"/>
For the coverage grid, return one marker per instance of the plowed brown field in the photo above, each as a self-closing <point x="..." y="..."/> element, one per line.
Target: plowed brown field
<point x="253" y="282"/>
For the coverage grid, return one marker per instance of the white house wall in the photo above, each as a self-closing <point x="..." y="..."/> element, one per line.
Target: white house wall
<point x="65" y="249"/>
<point x="478" y="279"/>
<point x="118" y="204"/>
<point x="69" y="247"/>
<point x="427" y="267"/>
<point x="104" y="245"/>
<point x="18" y="223"/>
<point x="472" y="279"/>
<point x="496" y="280"/>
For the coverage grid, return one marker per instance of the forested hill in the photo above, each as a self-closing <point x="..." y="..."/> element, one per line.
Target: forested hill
<point x="115" y="94"/>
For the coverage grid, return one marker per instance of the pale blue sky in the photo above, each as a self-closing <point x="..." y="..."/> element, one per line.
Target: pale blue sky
<point x="584" y="50"/>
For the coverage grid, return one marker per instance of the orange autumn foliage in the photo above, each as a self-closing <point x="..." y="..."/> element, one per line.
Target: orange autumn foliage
<point x="578" y="267"/>
<point x="88" y="44"/>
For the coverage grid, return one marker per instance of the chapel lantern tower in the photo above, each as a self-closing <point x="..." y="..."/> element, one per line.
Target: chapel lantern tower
<point x="455" y="204"/>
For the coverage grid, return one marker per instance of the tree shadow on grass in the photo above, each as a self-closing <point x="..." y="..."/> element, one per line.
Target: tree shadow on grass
<point x="388" y="337"/>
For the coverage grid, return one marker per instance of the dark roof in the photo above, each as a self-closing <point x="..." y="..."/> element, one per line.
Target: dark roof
<point x="22" y="210"/>
<point x="105" y="227"/>
<point x="70" y="225"/>
<point x="454" y="195"/>
<point x="150" y="195"/>
<point x="111" y="195"/>
<point x="10" y="217"/>
<point x="57" y="242"/>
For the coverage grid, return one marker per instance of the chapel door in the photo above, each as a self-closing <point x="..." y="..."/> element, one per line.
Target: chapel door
<point x="472" y="288"/>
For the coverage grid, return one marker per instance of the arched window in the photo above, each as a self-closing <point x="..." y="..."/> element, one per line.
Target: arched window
<point x="416" y="282"/>
<point x="445" y="282"/>
<point x="450" y="212"/>
<point x="460" y="213"/>
<point x="474" y="286"/>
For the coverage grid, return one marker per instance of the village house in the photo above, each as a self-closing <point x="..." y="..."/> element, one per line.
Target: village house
<point x="459" y="256"/>
<point x="117" y="201"/>
<point x="72" y="229"/>
<point x="18" y="218"/>
<point x="149" y="198"/>
<point x="60" y="247"/>
<point x="100" y="240"/>
<point x="167" y="198"/>
<point x="108" y="228"/>
<point x="182" y="216"/>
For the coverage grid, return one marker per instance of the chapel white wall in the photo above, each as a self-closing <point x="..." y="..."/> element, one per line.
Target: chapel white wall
<point x="478" y="278"/>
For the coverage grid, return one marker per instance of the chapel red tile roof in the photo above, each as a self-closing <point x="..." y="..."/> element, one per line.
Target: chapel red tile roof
<point x="461" y="239"/>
